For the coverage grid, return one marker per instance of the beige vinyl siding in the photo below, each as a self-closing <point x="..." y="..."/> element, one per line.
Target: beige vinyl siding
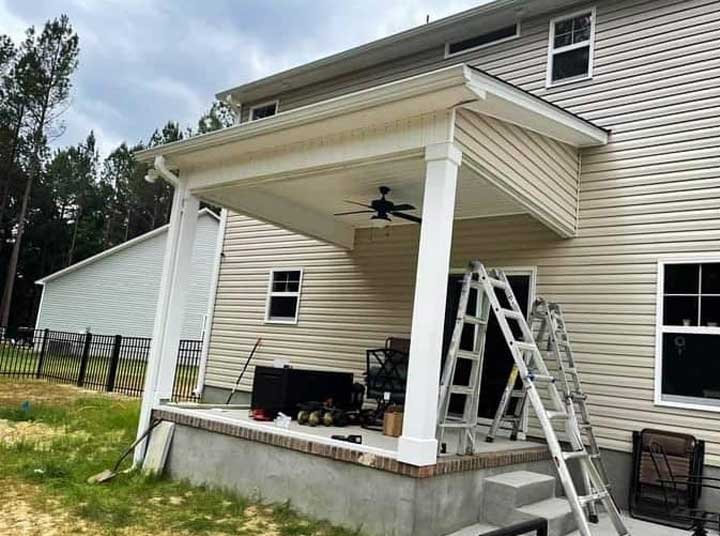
<point x="652" y="192"/>
<point x="540" y="172"/>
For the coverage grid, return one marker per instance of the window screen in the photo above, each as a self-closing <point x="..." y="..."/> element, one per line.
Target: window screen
<point x="263" y="110"/>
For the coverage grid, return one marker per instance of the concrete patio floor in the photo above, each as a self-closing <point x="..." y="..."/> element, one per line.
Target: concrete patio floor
<point x="604" y="528"/>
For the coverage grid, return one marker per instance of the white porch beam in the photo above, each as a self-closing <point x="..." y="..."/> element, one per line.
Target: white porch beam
<point x="284" y="213"/>
<point x="418" y="444"/>
<point x="169" y="315"/>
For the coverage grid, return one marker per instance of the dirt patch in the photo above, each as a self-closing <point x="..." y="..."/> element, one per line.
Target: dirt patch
<point x="39" y="435"/>
<point x="22" y="517"/>
<point x="14" y="392"/>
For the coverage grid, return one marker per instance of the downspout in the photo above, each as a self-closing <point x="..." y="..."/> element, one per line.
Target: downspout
<point x="211" y="304"/>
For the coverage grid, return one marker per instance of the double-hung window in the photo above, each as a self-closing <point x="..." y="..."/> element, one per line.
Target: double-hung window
<point x="283" y="298"/>
<point x="261" y="111"/>
<point x="570" y="51"/>
<point x="688" y="334"/>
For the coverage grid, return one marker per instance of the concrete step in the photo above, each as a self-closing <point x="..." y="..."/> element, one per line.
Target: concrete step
<point x="557" y="511"/>
<point x="518" y="488"/>
<point x="520" y="496"/>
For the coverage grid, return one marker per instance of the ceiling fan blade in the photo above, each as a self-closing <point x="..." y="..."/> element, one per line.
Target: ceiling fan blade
<point x="404" y="206"/>
<point x="353" y="212"/>
<point x="358" y="204"/>
<point x="407" y="217"/>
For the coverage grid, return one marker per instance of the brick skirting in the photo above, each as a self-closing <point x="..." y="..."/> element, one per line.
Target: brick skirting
<point x="445" y="466"/>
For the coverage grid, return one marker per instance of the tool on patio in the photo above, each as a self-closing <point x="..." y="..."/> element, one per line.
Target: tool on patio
<point x="386" y="378"/>
<point x="536" y="377"/>
<point x="351" y="438"/>
<point x="109" y="474"/>
<point x="242" y="373"/>
<point x="466" y="424"/>
<point x="550" y="332"/>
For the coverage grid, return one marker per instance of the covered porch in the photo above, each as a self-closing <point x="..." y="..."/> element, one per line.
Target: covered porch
<point x="455" y="144"/>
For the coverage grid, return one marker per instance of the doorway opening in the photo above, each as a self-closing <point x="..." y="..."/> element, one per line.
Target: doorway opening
<point x="498" y="360"/>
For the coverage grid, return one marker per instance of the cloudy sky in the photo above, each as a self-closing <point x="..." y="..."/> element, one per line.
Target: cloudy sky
<point x="144" y="62"/>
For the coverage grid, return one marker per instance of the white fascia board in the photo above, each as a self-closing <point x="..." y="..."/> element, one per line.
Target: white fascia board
<point x="116" y="249"/>
<point x="436" y="81"/>
<point x="442" y="89"/>
<point x="509" y="103"/>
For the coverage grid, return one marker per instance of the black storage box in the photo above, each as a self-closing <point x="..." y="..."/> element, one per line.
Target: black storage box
<point x="282" y="389"/>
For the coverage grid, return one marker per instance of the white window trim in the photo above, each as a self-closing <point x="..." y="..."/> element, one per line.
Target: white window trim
<point x="448" y="54"/>
<point x="552" y="51"/>
<point x="262" y="105"/>
<point x="677" y="401"/>
<point x="270" y="294"/>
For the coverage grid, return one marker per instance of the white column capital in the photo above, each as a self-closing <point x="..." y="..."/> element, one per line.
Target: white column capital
<point x="443" y="151"/>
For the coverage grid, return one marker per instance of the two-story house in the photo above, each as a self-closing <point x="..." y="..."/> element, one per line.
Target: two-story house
<point x="574" y="144"/>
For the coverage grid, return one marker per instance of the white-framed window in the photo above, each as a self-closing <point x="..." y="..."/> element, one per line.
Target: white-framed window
<point x="482" y="40"/>
<point x="283" y="297"/>
<point x="571" y="48"/>
<point x="687" y="351"/>
<point x="261" y="111"/>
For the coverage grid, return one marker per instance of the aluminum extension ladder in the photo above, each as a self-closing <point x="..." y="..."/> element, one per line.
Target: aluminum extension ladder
<point x="466" y="424"/>
<point x="548" y="326"/>
<point x="535" y="375"/>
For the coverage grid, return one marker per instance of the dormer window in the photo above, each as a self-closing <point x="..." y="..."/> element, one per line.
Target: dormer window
<point x="570" y="51"/>
<point x="261" y="111"/>
<point x="483" y="40"/>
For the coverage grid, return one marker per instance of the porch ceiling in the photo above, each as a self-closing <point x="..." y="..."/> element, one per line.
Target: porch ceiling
<point x="325" y="194"/>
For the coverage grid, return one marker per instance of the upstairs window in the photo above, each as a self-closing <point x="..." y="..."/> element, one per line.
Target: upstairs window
<point x="283" y="299"/>
<point x="261" y="111"/>
<point x="570" y="51"/>
<point x="688" y="334"/>
<point x="482" y="40"/>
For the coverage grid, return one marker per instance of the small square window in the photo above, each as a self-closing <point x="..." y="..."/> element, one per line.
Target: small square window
<point x="283" y="298"/>
<point x="262" y="111"/>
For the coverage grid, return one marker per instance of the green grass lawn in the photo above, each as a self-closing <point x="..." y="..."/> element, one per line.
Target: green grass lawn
<point x="53" y="437"/>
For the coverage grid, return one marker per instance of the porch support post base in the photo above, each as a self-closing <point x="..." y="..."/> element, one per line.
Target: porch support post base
<point x="418" y="444"/>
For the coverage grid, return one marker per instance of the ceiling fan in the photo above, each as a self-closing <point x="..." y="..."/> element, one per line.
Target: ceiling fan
<point x="381" y="210"/>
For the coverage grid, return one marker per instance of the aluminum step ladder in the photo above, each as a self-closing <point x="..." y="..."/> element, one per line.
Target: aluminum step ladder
<point x="466" y="424"/>
<point x="536" y="377"/>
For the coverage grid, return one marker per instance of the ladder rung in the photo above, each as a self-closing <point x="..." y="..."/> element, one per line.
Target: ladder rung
<point x="526" y="346"/>
<point x="597" y="496"/>
<point x="517" y="394"/>
<point x="461" y="390"/>
<point x="464" y="354"/>
<point x="456" y="425"/>
<point x="515" y="315"/>
<point x="575" y="454"/>
<point x="475" y="320"/>
<point x="557" y="415"/>
<point x="541" y="378"/>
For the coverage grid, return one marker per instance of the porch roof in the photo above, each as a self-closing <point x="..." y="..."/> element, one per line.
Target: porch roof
<point x="458" y="86"/>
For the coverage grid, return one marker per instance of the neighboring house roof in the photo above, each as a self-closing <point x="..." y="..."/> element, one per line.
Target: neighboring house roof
<point x="116" y="249"/>
<point x="398" y="45"/>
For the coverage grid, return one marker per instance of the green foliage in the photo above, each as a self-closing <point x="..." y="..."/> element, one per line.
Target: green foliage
<point x="60" y="207"/>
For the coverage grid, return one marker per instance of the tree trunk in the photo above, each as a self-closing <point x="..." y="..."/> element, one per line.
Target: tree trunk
<point x="11" y="165"/>
<point x="14" y="257"/>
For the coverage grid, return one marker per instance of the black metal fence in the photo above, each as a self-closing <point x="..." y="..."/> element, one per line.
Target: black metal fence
<point x="99" y="362"/>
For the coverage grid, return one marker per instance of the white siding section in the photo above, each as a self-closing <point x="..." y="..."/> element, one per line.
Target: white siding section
<point x="653" y="191"/>
<point x="118" y="294"/>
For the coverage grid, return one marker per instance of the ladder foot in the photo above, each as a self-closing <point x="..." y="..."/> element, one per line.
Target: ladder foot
<point x="594" y="519"/>
<point x="489" y="440"/>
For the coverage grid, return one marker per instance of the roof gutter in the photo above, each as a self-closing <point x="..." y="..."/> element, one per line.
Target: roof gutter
<point x="161" y="170"/>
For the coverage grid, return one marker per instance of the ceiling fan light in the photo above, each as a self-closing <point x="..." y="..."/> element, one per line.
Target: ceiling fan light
<point x="380" y="221"/>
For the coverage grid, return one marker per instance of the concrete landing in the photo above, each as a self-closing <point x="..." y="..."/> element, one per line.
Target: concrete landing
<point x="604" y="528"/>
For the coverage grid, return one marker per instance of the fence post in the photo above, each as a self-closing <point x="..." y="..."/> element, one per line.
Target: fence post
<point x="84" y="360"/>
<point x="43" y="350"/>
<point x="113" y="366"/>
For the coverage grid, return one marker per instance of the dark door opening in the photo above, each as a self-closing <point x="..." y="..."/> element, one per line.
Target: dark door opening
<point x="498" y="360"/>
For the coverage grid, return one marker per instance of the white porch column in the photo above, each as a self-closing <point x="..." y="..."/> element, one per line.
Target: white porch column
<point x="418" y="445"/>
<point x="170" y="312"/>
